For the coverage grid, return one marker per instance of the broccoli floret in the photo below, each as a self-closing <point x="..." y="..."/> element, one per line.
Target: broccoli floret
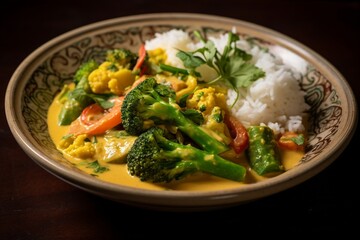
<point x="151" y="103"/>
<point x="121" y="58"/>
<point x="155" y="158"/>
<point x="80" y="77"/>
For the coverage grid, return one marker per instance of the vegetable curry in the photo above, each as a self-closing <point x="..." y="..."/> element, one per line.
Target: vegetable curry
<point x="136" y="121"/>
<point x="117" y="173"/>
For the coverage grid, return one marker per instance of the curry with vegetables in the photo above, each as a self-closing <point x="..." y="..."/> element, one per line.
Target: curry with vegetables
<point x="134" y="120"/>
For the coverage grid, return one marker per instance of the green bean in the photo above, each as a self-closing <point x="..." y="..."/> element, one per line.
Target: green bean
<point x="263" y="153"/>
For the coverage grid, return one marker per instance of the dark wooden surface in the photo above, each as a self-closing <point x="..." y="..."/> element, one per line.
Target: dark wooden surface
<point x="36" y="205"/>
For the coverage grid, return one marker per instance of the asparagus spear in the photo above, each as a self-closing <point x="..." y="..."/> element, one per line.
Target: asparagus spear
<point x="262" y="152"/>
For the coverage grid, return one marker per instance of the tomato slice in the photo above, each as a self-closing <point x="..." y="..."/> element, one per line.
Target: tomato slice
<point x="239" y="133"/>
<point x="96" y="120"/>
<point x="91" y="114"/>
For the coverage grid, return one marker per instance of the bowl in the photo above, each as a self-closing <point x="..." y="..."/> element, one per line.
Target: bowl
<point x="34" y="84"/>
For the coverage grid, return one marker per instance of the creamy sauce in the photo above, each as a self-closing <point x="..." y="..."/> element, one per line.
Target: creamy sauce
<point x="118" y="173"/>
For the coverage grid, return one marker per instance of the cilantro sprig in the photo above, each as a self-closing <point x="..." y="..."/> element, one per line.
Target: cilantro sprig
<point x="97" y="168"/>
<point x="232" y="66"/>
<point x="298" y="140"/>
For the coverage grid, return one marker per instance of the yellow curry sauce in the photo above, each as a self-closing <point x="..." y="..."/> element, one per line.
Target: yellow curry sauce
<point x="117" y="172"/>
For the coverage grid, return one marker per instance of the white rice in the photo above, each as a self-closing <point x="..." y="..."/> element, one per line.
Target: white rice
<point x="275" y="100"/>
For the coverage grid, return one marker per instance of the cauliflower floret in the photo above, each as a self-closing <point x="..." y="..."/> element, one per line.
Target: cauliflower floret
<point x="120" y="80"/>
<point x="206" y="99"/>
<point x="211" y="103"/>
<point x="98" y="79"/>
<point x="78" y="146"/>
<point x="215" y="122"/>
<point x="109" y="78"/>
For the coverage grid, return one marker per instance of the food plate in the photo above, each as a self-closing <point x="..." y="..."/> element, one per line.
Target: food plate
<point x="333" y="112"/>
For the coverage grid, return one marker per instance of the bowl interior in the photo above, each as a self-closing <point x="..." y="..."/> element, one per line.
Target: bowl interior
<point x="41" y="76"/>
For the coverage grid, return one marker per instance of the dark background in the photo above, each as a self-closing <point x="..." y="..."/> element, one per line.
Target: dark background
<point x="36" y="205"/>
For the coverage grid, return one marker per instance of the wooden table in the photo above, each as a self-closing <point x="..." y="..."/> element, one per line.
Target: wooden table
<point x="36" y="205"/>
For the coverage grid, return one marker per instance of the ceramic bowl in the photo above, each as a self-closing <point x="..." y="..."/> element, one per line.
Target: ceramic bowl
<point x="34" y="84"/>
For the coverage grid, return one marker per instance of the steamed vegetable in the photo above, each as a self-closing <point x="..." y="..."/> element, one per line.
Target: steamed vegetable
<point x="155" y="158"/>
<point x="263" y="153"/>
<point x="96" y="120"/>
<point x="115" y="74"/>
<point x="150" y="104"/>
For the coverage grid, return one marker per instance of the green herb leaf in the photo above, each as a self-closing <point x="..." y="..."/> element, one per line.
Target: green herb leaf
<point x="97" y="167"/>
<point x="299" y="140"/>
<point x="232" y="65"/>
<point x="241" y="74"/>
<point x="189" y="59"/>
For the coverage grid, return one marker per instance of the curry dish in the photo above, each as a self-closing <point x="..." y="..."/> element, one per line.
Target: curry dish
<point x="136" y="120"/>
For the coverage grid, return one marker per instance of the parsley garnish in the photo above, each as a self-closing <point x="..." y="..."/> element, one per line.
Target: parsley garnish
<point x="97" y="167"/>
<point x="299" y="140"/>
<point x="232" y="65"/>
